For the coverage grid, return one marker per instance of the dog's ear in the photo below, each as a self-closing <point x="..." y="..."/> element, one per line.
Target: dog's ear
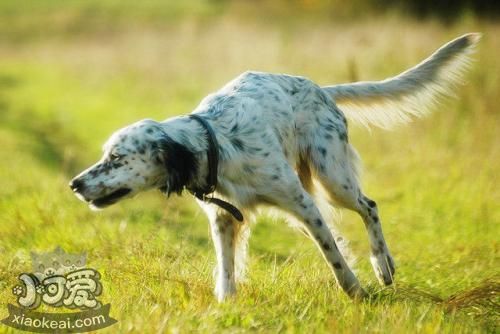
<point x="180" y="164"/>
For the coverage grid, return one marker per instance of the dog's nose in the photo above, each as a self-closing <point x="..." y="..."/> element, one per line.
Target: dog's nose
<point x="76" y="185"/>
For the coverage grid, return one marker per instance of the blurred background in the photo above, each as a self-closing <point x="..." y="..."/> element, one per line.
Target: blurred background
<point x="72" y="72"/>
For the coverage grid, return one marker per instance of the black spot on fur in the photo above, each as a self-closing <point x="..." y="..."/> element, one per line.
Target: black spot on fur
<point x="326" y="246"/>
<point x="319" y="222"/>
<point x="371" y="203"/>
<point x="337" y="265"/>
<point x="254" y="149"/>
<point x="237" y="143"/>
<point x="322" y="150"/>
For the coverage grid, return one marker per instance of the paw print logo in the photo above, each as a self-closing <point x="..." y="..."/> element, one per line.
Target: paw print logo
<point x="17" y="290"/>
<point x="40" y="289"/>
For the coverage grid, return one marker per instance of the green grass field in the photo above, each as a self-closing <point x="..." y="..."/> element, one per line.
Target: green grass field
<point x="73" y="72"/>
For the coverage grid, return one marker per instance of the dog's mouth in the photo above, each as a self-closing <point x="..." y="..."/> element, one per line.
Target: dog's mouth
<point x="110" y="198"/>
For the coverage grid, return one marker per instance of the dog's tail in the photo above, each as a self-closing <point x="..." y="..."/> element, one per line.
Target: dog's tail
<point x="412" y="93"/>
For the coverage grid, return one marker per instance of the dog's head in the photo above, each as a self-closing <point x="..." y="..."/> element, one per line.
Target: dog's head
<point x="136" y="158"/>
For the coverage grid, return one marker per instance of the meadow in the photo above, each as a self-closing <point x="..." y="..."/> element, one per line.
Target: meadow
<point x="71" y="73"/>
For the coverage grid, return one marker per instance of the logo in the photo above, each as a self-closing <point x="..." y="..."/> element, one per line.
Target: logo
<point x="59" y="280"/>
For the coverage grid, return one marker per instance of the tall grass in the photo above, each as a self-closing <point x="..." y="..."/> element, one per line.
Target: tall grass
<point x="63" y="90"/>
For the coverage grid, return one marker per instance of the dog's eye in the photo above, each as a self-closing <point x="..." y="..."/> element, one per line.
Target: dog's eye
<point x="115" y="157"/>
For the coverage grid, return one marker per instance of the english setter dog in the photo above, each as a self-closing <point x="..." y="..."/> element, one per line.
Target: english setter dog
<point x="271" y="139"/>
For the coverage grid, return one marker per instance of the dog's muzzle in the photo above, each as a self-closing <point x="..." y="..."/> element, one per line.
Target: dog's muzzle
<point x="76" y="185"/>
<point x="78" y="188"/>
<point x="110" y="198"/>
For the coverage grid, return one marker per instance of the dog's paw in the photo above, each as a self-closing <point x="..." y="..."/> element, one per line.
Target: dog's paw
<point x="357" y="293"/>
<point x="383" y="265"/>
<point x="224" y="290"/>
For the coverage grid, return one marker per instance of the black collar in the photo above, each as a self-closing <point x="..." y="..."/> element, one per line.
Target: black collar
<point x="213" y="162"/>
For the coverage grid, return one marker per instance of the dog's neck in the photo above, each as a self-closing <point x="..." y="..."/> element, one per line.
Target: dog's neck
<point x="205" y="180"/>
<point x="192" y="136"/>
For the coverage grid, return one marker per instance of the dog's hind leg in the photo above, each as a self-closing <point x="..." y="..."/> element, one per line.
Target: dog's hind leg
<point x="286" y="191"/>
<point x="335" y="166"/>
<point x="381" y="259"/>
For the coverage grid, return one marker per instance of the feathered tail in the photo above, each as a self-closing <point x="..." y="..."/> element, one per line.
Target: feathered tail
<point x="412" y="93"/>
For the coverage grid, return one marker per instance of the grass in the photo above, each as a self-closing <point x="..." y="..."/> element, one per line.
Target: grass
<point x="64" y="89"/>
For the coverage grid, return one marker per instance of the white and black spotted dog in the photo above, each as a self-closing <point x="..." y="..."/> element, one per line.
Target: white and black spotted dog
<point x="263" y="139"/>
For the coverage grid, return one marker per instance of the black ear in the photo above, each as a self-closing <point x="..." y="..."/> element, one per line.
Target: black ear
<point x="180" y="163"/>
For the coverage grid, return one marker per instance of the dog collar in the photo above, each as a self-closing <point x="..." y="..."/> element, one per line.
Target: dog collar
<point x="213" y="162"/>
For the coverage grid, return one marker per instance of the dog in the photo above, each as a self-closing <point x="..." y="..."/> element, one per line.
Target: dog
<point x="269" y="139"/>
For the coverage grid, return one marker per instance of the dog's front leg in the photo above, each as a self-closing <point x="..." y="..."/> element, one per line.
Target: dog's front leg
<point x="222" y="227"/>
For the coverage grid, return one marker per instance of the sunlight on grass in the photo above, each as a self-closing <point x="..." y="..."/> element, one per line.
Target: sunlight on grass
<point x="63" y="92"/>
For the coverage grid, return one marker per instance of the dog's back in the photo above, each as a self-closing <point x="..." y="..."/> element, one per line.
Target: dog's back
<point x="288" y="111"/>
